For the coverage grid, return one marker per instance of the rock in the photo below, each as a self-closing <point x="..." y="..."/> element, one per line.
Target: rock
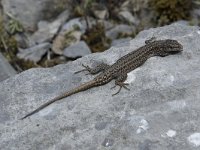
<point x="28" y="12"/>
<point x="128" y="17"/>
<point x="183" y="22"/>
<point x="64" y="40"/>
<point x="143" y="13"/>
<point x="77" y="50"/>
<point x="72" y="25"/>
<point x="48" y="30"/>
<point x="58" y="44"/>
<point x="69" y="34"/>
<point x="23" y="40"/>
<point x="100" y="11"/>
<point x="80" y="25"/>
<point x="194" y="139"/>
<point x="121" y="42"/>
<point x="145" y="145"/>
<point x="164" y="95"/>
<point x="171" y="133"/>
<point x="101" y="14"/>
<point x="107" y="24"/>
<point x="34" y="53"/>
<point x="119" y="29"/>
<point x="77" y="24"/>
<point x="6" y="69"/>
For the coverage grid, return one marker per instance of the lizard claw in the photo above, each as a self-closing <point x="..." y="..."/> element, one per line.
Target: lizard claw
<point x="113" y="87"/>
<point x="117" y="91"/>
<point x="120" y="84"/>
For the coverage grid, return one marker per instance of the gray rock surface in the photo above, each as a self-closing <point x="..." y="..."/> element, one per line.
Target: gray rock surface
<point x="72" y="25"/>
<point x="100" y="11"/>
<point x="114" y="32"/>
<point x="6" y="70"/>
<point x="78" y="23"/>
<point x="121" y="42"/>
<point x="34" y="53"/>
<point x="160" y="112"/>
<point x="62" y="41"/>
<point x="26" y="11"/>
<point x="77" y="50"/>
<point x="46" y="31"/>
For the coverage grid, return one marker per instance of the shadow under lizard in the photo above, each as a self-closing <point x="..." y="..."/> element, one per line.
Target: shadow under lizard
<point x="120" y="68"/>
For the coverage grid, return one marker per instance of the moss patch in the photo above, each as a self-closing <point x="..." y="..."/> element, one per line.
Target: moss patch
<point x="96" y="38"/>
<point x="168" y="11"/>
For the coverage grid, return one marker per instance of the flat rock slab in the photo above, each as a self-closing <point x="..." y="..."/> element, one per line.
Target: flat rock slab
<point x="161" y="111"/>
<point x="6" y="70"/>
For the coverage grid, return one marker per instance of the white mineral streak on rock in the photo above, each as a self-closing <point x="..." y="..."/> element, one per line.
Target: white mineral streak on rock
<point x="171" y="133"/>
<point x="194" y="139"/>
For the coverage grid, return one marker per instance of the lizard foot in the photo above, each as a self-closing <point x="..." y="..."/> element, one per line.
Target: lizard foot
<point x="87" y="68"/>
<point x="120" y="84"/>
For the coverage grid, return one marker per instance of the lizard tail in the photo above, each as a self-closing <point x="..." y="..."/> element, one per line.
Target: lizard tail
<point x="80" y="88"/>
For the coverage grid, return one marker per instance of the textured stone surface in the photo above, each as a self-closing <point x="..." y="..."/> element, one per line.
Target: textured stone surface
<point x="161" y="111"/>
<point x="77" y="50"/>
<point x="46" y="31"/>
<point x="30" y="12"/>
<point x="26" y="11"/>
<point x="6" y="70"/>
<point x="34" y="53"/>
<point x="117" y="30"/>
<point x="121" y="42"/>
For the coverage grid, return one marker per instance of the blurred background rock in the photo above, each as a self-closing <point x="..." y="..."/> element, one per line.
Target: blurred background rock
<point x="44" y="33"/>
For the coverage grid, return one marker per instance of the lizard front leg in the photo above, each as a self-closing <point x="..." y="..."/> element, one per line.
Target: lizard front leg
<point x="150" y="40"/>
<point x="120" y="82"/>
<point x="99" y="68"/>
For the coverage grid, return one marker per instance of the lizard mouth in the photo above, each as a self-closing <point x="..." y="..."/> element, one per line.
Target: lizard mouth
<point x="176" y="50"/>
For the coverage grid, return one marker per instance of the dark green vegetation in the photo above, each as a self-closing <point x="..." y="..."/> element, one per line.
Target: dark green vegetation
<point x="9" y="45"/>
<point x="168" y="11"/>
<point x="54" y="9"/>
<point x="95" y="37"/>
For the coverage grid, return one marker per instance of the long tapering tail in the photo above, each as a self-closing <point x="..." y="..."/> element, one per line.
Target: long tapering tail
<point x="80" y="88"/>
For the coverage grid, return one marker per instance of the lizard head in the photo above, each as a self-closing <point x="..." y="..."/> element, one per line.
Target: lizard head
<point x="172" y="46"/>
<point x="168" y="47"/>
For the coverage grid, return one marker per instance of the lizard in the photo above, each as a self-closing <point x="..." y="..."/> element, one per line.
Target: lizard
<point x="118" y="71"/>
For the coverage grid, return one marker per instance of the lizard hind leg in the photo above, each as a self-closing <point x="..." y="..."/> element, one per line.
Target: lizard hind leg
<point x="99" y="68"/>
<point x="120" y="82"/>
